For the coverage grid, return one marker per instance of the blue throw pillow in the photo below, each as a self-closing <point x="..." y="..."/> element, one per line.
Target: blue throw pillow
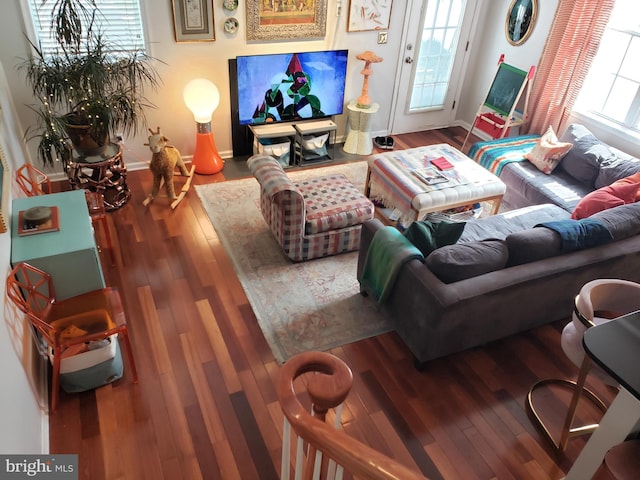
<point x="579" y="234"/>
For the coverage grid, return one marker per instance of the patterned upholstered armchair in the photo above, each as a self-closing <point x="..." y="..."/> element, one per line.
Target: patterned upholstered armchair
<point x="314" y="218"/>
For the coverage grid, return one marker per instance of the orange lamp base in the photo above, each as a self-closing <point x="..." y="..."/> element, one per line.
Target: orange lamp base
<point x="206" y="158"/>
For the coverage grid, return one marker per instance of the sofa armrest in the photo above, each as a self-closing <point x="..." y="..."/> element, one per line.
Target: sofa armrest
<point x="270" y="175"/>
<point x="286" y="215"/>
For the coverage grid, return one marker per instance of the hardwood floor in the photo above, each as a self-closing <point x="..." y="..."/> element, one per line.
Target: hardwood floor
<point x="205" y="405"/>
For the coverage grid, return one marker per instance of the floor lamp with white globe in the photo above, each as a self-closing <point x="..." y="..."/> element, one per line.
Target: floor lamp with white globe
<point x="202" y="97"/>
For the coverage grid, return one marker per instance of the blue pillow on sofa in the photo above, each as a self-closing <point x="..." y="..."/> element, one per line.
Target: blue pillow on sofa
<point x="579" y="234"/>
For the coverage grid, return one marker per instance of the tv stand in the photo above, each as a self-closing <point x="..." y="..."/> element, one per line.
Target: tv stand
<point x="271" y="130"/>
<point x="304" y="137"/>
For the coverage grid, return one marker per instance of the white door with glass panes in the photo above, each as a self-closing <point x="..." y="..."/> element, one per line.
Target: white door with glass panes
<point x="431" y="64"/>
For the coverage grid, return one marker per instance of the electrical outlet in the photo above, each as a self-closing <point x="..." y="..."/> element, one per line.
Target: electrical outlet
<point x="383" y="37"/>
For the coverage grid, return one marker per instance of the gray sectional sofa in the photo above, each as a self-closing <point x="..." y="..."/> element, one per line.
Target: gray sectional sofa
<point x="506" y="273"/>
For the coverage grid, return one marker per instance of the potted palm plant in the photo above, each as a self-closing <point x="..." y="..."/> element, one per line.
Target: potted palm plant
<point x="89" y="90"/>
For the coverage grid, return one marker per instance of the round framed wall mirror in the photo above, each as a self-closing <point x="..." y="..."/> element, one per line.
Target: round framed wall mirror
<point x="521" y="18"/>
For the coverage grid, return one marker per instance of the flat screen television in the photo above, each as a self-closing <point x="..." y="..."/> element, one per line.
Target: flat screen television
<point x="290" y="86"/>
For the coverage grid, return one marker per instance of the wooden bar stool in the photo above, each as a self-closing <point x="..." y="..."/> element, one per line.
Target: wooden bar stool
<point x="598" y="301"/>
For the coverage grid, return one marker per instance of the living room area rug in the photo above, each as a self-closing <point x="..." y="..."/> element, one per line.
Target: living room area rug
<point x="312" y="305"/>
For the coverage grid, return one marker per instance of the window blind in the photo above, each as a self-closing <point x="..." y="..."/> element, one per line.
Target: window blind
<point x="120" y="22"/>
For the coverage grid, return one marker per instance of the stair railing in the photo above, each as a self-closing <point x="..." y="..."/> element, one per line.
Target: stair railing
<point x="316" y="439"/>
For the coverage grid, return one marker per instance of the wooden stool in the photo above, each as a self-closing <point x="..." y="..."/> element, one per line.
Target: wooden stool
<point x="621" y="462"/>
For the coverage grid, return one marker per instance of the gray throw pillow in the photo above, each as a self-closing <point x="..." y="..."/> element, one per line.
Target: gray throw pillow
<point x="583" y="161"/>
<point x="617" y="167"/>
<point x="453" y="263"/>
<point x="622" y="221"/>
<point x="532" y="245"/>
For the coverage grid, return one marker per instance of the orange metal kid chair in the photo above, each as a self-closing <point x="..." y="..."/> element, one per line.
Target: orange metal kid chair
<point x="32" y="181"/>
<point x="68" y="326"/>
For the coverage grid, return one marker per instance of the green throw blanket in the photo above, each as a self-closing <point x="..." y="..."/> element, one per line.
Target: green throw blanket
<point x="428" y="236"/>
<point x="389" y="250"/>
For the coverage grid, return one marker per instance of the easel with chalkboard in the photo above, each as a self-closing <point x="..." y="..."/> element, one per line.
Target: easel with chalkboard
<point x="497" y="114"/>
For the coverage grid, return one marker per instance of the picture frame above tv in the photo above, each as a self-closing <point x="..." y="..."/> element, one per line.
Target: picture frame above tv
<point x="286" y="87"/>
<point x="286" y="20"/>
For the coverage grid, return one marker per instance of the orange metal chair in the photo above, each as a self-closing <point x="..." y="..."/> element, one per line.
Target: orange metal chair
<point x="98" y="213"/>
<point x="68" y="324"/>
<point x="34" y="182"/>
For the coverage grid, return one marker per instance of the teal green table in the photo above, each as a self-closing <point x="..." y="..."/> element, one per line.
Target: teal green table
<point x="70" y="255"/>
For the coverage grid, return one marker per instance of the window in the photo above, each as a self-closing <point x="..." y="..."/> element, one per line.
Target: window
<point x="120" y="22"/>
<point x="612" y="89"/>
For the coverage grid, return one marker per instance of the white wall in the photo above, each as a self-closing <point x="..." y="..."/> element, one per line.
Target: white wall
<point x="23" y="420"/>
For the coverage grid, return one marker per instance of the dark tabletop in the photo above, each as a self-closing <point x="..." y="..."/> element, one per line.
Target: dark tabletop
<point x="615" y="346"/>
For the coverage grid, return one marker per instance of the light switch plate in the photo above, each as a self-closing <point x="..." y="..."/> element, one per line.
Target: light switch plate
<point x="382" y="37"/>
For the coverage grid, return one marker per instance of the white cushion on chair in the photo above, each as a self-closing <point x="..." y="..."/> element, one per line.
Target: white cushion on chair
<point x="613" y="295"/>
<point x="571" y="342"/>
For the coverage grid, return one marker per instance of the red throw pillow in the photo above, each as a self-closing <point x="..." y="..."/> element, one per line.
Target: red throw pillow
<point x="604" y="198"/>
<point x="635" y="178"/>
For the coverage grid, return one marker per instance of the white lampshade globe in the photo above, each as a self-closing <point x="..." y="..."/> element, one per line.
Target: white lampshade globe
<point x="201" y="97"/>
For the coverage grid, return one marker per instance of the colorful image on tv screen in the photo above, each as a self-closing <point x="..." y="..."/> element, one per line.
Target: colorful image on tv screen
<point x="292" y="86"/>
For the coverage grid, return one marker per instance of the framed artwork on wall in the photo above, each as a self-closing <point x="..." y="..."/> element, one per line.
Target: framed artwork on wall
<point x="193" y="20"/>
<point x="283" y="20"/>
<point x="369" y="15"/>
